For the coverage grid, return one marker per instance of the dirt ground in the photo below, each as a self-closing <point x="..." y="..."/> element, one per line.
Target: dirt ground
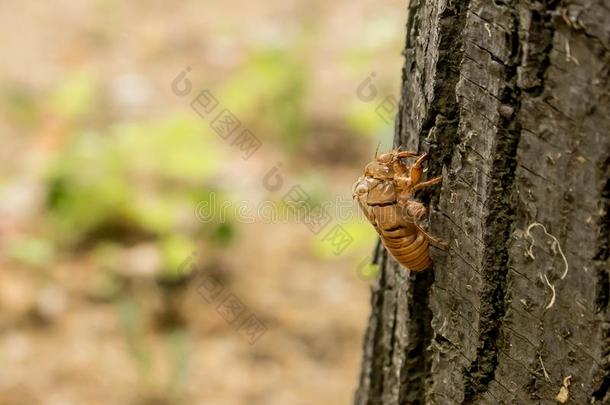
<point x="75" y="329"/>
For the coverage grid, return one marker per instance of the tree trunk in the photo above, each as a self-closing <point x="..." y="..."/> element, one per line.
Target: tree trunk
<point x="511" y="100"/>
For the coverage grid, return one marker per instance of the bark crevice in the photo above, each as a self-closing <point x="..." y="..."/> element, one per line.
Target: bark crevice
<point x="537" y="59"/>
<point x="443" y="118"/>
<point x="497" y="230"/>
<point x="415" y="369"/>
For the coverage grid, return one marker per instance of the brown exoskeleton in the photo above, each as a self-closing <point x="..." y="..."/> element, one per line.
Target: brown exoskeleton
<point x="385" y="195"/>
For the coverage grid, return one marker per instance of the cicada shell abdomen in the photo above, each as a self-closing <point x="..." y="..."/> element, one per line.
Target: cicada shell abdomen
<point x="401" y="238"/>
<point x="410" y="250"/>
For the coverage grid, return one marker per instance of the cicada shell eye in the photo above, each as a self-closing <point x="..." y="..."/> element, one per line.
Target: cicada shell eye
<point x="385" y="158"/>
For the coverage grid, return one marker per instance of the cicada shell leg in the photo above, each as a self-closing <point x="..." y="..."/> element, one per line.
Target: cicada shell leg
<point x="417" y="170"/>
<point x="428" y="183"/>
<point x="436" y="242"/>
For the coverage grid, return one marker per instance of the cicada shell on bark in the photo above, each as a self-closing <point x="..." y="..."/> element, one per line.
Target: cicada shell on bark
<point x="385" y="195"/>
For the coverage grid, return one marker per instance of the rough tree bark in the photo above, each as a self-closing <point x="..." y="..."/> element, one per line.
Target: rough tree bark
<point x="511" y="100"/>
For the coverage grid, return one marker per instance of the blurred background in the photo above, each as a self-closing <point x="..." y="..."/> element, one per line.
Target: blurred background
<point x="117" y="286"/>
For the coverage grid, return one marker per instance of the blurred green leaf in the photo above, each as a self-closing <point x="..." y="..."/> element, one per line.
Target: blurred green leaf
<point x="159" y="213"/>
<point x="268" y="94"/>
<point x="364" y="237"/>
<point x="175" y="249"/>
<point x="133" y="176"/>
<point x="87" y="186"/>
<point x="76" y="95"/>
<point x="364" y="120"/>
<point x="19" y="105"/>
<point x="179" y="148"/>
<point x="368" y="271"/>
<point x="32" y="251"/>
<point x="223" y="233"/>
